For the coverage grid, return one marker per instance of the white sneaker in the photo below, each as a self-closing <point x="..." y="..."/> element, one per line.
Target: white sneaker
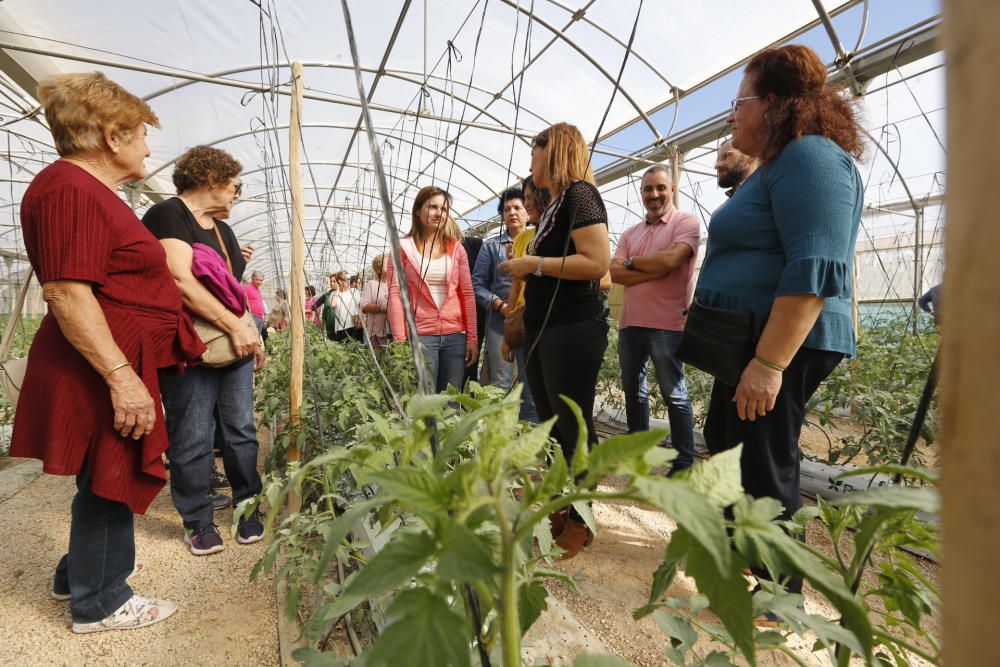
<point x="137" y="612"/>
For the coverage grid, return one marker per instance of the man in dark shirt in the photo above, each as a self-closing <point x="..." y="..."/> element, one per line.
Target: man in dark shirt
<point x="472" y="245"/>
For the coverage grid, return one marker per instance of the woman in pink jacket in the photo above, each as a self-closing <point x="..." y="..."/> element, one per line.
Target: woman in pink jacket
<point x="440" y="285"/>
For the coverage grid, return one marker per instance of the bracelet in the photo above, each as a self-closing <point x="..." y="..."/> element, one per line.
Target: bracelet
<point x="768" y="364"/>
<point x="538" y="267"/>
<point x="216" y="319"/>
<point x="106" y="374"/>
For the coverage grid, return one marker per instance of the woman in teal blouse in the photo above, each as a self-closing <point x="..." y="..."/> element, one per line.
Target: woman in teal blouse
<point x="783" y="248"/>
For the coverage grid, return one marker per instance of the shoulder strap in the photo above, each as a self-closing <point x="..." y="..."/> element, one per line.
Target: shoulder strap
<point x="15" y="317"/>
<point x="222" y="244"/>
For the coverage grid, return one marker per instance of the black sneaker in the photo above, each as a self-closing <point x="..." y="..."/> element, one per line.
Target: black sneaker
<point x="250" y="529"/>
<point x="219" y="481"/>
<point x="204" y="541"/>
<point x="220" y="501"/>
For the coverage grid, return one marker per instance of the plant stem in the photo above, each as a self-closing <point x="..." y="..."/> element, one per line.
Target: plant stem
<point x="887" y="638"/>
<point x="510" y="632"/>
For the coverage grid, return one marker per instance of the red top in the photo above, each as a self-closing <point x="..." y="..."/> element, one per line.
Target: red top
<point x="458" y="312"/>
<point x="75" y="228"/>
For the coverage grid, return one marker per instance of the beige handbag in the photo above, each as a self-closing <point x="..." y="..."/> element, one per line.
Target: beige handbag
<point x="12" y="370"/>
<point x="220" y="350"/>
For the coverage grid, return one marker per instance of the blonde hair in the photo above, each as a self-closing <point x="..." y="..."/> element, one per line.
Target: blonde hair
<point x="449" y="232"/>
<point x="81" y="108"/>
<point x="567" y="157"/>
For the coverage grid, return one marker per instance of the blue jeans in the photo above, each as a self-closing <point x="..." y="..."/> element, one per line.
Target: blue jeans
<point x="636" y="345"/>
<point x="445" y="359"/>
<point x="190" y="402"/>
<point x="502" y="372"/>
<point x="101" y="554"/>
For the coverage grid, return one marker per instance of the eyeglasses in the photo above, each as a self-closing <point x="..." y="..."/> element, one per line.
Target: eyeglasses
<point x="735" y="104"/>
<point x="239" y="189"/>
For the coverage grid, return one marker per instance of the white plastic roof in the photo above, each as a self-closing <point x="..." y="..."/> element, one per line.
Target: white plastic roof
<point x="457" y="89"/>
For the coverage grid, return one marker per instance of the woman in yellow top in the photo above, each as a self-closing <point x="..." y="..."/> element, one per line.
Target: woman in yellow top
<point x="536" y="200"/>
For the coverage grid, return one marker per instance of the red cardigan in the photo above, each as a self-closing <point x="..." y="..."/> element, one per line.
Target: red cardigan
<point x="458" y="312"/>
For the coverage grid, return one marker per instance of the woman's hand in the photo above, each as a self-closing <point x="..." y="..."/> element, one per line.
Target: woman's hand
<point x="471" y="353"/>
<point x="520" y="267"/>
<point x="135" y="412"/>
<point x="247" y="252"/>
<point x="757" y="391"/>
<point x="259" y="358"/>
<point x="506" y="353"/>
<point x="245" y="341"/>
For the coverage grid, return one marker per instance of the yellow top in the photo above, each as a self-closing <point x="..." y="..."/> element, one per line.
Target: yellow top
<point x="520" y="249"/>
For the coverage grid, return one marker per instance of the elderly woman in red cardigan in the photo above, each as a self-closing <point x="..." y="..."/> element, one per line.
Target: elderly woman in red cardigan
<point x="89" y="405"/>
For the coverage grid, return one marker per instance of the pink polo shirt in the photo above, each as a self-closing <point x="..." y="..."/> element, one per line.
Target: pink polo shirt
<point x="660" y="303"/>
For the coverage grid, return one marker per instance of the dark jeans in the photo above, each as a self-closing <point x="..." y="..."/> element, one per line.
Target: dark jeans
<point x="566" y="361"/>
<point x="770" y="459"/>
<point x="445" y="359"/>
<point x="636" y="345"/>
<point x="101" y="554"/>
<point x="345" y="334"/>
<point x="190" y="401"/>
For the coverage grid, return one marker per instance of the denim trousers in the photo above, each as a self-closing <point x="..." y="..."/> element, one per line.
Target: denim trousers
<point x="565" y="362"/>
<point x="502" y="371"/>
<point x="636" y="346"/>
<point x="101" y="554"/>
<point x="191" y="402"/>
<point x="444" y="357"/>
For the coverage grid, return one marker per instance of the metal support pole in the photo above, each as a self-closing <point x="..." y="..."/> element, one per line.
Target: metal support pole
<point x="918" y="262"/>
<point x="843" y="57"/>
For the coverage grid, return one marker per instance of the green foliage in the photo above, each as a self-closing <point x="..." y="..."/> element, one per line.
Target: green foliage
<point x="25" y="334"/>
<point x="462" y="491"/>
<point x="881" y="389"/>
<point x="880" y="521"/>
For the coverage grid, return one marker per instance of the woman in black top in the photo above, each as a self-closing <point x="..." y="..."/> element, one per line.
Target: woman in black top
<point x="565" y="317"/>
<point x="207" y="181"/>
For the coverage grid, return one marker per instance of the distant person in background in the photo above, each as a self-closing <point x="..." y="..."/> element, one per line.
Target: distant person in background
<point x="354" y="295"/>
<point x="733" y="167"/>
<point x="930" y="302"/>
<point x="256" y="299"/>
<point x="654" y="260"/>
<point x="311" y="315"/>
<point x="90" y="401"/>
<point x="278" y="317"/>
<point x="473" y="245"/>
<point x="440" y="286"/>
<point x="782" y="249"/>
<point x="375" y="307"/>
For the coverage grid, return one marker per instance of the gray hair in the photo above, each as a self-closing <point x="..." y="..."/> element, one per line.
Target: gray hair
<point x="256" y="274"/>
<point x="657" y="168"/>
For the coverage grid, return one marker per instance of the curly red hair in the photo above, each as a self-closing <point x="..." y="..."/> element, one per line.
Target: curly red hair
<point x="801" y="102"/>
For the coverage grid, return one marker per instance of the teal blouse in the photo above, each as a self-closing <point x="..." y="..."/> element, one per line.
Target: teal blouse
<point x="790" y="229"/>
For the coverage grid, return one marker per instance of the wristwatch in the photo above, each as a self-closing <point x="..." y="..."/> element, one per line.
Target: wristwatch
<point x="630" y="263"/>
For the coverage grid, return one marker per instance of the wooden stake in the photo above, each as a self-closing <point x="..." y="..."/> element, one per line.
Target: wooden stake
<point x="296" y="278"/>
<point x="970" y="307"/>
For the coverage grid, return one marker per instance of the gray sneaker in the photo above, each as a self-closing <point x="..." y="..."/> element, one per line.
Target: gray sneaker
<point x="137" y="612"/>
<point x="204" y="541"/>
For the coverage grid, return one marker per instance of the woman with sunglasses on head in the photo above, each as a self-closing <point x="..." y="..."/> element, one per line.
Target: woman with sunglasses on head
<point x="781" y="250"/>
<point x="208" y="184"/>
<point x="437" y="274"/>
<point x="565" y="317"/>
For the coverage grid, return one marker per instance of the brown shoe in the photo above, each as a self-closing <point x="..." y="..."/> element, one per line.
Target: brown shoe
<point x="557" y="522"/>
<point x="575" y="536"/>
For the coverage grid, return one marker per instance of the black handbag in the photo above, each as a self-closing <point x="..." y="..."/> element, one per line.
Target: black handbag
<point x="719" y="341"/>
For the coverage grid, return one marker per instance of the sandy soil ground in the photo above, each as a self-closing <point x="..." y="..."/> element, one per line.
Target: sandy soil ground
<point x="223" y="619"/>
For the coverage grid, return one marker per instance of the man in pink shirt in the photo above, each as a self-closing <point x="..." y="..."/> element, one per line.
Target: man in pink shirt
<point x="255" y="299"/>
<point x="655" y="261"/>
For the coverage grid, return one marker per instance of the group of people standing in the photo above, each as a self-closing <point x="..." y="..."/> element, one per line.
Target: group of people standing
<point x="113" y="380"/>
<point x="122" y="293"/>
